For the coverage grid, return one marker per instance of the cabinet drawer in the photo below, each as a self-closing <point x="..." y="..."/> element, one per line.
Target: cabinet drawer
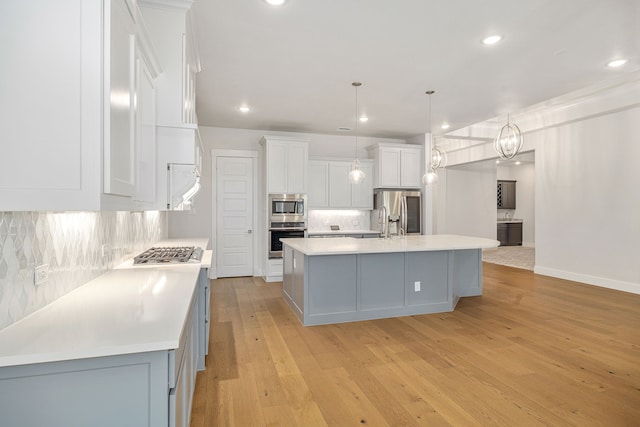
<point x="176" y="356"/>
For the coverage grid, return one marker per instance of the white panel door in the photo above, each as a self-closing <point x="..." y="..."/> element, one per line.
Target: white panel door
<point x="234" y="224"/>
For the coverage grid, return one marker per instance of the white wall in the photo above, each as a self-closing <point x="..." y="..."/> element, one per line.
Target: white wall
<point x="587" y="183"/>
<point x="470" y="202"/>
<point x="525" y="197"/>
<point x="588" y="200"/>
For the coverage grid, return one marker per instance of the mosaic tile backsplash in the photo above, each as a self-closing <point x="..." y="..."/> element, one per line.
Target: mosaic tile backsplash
<point x="71" y="243"/>
<point x="320" y="220"/>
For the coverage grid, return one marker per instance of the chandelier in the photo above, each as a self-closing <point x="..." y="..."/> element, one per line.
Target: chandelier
<point x="438" y="158"/>
<point x="509" y="141"/>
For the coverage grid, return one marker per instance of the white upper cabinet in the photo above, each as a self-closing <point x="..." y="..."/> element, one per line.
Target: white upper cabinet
<point x="178" y="140"/>
<point x="362" y="194"/>
<point x="120" y="97"/>
<point x="318" y="196"/>
<point x="145" y="136"/>
<point x="286" y="165"/>
<point x="397" y="165"/>
<point x="169" y="24"/>
<point x="339" y="185"/>
<point x="329" y="186"/>
<point x="68" y="104"/>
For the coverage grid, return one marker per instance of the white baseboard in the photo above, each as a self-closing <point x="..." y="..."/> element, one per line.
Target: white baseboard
<point x="529" y="244"/>
<point x="603" y="282"/>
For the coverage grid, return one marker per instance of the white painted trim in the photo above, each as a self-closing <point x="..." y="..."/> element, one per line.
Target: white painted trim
<point x="603" y="282"/>
<point x="570" y="108"/>
<point x="215" y="153"/>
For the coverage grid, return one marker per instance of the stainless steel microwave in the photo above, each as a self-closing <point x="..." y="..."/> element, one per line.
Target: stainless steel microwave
<point x="287" y="207"/>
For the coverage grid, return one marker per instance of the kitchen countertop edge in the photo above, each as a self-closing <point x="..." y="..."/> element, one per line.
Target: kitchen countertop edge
<point x="422" y="243"/>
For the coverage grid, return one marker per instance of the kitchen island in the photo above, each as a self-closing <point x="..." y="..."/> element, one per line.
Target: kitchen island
<point x="345" y="279"/>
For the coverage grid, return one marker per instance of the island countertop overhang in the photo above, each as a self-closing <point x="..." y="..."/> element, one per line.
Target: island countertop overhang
<point x="349" y="245"/>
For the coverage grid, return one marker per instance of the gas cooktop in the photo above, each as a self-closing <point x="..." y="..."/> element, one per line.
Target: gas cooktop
<point x="177" y="254"/>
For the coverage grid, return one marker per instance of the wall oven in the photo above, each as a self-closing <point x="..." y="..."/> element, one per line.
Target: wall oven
<point x="288" y="218"/>
<point x="287" y="207"/>
<point x="283" y="230"/>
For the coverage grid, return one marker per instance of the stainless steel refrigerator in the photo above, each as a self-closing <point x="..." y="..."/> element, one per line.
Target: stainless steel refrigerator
<point x="403" y="210"/>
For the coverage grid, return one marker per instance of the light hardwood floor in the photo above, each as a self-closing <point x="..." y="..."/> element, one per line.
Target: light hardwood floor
<point x="531" y="351"/>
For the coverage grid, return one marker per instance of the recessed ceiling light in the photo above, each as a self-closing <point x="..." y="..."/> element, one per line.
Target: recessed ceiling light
<point x="491" y="39"/>
<point x="518" y="162"/>
<point x="617" y="63"/>
<point x="364" y="119"/>
<point x="244" y="109"/>
<point x="497" y="162"/>
<point x="445" y="126"/>
<point x="275" y="2"/>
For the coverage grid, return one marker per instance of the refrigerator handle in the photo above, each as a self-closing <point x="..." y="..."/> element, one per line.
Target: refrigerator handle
<point x="403" y="214"/>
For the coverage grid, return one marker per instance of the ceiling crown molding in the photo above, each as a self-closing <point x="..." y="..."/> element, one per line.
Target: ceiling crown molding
<point x="182" y="5"/>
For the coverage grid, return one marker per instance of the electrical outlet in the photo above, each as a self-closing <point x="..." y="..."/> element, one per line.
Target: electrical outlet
<point x="41" y="274"/>
<point x="416" y="286"/>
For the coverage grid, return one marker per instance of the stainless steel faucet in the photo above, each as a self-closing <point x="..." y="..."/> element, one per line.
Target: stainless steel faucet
<point x="384" y="220"/>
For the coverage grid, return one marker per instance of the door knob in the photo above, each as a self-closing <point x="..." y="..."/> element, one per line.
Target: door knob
<point x="249" y="231"/>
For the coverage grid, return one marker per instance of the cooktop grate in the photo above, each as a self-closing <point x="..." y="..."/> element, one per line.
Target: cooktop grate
<point x="168" y="254"/>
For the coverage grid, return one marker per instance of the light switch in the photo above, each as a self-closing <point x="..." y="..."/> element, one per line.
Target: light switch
<point x="416" y="286"/>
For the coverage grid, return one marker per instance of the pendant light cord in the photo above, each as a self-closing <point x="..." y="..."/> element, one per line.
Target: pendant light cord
<point x="356" y="84"/>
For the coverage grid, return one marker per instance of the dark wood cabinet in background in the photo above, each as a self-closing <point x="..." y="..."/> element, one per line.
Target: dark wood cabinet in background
<point x="506" y="194"/>
<point x="509" y="233"/>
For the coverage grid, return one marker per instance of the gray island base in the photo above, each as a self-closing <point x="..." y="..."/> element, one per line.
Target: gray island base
<point x="345" y="279"/>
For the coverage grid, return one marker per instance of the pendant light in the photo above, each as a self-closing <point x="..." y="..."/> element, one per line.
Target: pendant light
<point x="509" y="141"/>
<point x="356" y="175"/>
<point x="438" y="158"/>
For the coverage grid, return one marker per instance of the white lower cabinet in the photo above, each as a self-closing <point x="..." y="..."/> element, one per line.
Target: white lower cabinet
<point x="329" y="185"/>
<point x="273" y="270"/>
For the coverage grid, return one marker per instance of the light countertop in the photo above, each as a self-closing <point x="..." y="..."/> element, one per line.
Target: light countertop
<point x="509" y="221"/>
<point x="339" y="232"/>
<point x="350" y="245"/>
<point x="126" y="310"/>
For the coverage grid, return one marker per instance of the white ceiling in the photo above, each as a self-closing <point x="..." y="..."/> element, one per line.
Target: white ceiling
<point x="294" y="64"/>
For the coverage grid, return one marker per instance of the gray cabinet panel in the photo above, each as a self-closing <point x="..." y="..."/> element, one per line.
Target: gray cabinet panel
<point x="430" y="269"/>
<point x="287" y="272"/>
<point x="337" y="274"/>
<point x="298" y="281"/>
<point x="352" y="287"/>
<point x="381" y="280"/>
<point x="465" y="268"/>
<point x="128" y="390"/>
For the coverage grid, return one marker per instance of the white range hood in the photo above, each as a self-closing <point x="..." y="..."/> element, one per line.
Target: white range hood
<point x="184" y="184"/>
